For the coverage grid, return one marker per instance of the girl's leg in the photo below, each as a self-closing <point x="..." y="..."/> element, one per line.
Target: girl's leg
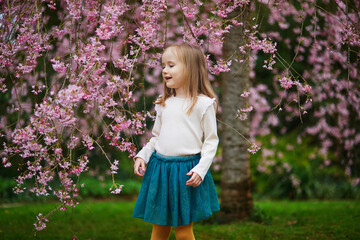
<point x="160" y="232"/>
<point x="184" y="232"/>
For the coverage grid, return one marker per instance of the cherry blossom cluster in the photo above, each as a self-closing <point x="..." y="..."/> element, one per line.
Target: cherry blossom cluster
<point x="242" y="113"/>
<point x="109" y="24"/>
<point x="253" y="148"/>
<point x="40" y="224"/>
<point x="116" y="189"/>
<point x="224" y="7"/>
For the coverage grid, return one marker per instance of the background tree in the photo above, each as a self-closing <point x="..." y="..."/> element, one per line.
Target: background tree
<point x="236" y="199"/>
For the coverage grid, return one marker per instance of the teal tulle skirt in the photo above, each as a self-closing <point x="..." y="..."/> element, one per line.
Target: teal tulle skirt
<point x="164" y="197"/>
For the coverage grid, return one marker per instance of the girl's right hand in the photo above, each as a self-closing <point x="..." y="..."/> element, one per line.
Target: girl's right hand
<point x="139" y="166"/>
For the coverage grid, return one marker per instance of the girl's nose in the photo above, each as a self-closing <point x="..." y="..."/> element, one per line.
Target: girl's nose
<point x="164" y="70"/>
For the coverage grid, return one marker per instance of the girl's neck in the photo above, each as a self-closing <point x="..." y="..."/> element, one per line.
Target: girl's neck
<point x="180" y="93"/>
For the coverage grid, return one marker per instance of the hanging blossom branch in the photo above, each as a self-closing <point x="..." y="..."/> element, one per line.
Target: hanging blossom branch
<point x="87" y="90"/>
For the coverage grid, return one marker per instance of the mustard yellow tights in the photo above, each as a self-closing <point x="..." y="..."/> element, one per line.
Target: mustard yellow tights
<point x="161" y="232"/>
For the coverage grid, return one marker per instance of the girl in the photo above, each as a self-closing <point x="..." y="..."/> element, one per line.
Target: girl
<point x="177" y="188"/>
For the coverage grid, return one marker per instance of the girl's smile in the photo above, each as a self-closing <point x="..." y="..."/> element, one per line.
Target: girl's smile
<point x="173" y="71"/>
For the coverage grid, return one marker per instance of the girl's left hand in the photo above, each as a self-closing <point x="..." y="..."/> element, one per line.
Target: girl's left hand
<point x="195" y="179"/>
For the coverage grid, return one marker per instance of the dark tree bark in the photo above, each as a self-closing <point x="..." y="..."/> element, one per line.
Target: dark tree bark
<point x="236" y="198"/>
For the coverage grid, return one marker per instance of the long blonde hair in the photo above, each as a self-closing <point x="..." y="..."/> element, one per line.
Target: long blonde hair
<point x="196" y="74"/>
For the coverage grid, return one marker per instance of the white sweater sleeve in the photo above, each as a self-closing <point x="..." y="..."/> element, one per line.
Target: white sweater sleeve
<point x="148" y="149"/>
<point x="211" y="141"/>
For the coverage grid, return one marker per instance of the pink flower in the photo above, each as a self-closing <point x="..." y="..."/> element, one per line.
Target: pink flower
<point x="245" y="94"/>
<point x="190" y="12"/>
<point x="295" y="180"/>
<point x="58" y="66"/>
<point x="52" y="5"/>
<point x="307" y="88"/>
<point x="241" y="115"/>
<point x="40" y="224"/>
<point x="216" y="167"/>
<point x="116" y="189"/>
<point x="114" y="167"/>
<point x="254" y="148"/>
<point x="74" y="8"/>
<point x="125" y="63"/>
<point x="287" y="167"/>
<point x="70" y="96"/>
<point x="37" y="89"/>
<point x="5" y="162"/>
<point x="221" y="66"/>
<point x="286" y="82"/>
<point x="3" y="87"/>
<point x="88" y="142"/>
<point x="247" y="110"/>
<point x="355" y="182"/>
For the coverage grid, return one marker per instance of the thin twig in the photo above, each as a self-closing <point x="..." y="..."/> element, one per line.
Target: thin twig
<point x="234" y="130"/>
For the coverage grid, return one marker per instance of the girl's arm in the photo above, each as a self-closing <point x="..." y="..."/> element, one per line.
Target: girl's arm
<point x="210" y="144"/>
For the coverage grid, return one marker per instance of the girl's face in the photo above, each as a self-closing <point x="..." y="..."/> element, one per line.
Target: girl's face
<point x="173" y="71"/>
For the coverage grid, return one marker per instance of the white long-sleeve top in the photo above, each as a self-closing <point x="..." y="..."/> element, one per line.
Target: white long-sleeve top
<point x="176" y="133"/>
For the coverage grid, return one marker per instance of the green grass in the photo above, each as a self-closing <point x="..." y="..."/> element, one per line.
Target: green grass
<point x="317" y="220"/>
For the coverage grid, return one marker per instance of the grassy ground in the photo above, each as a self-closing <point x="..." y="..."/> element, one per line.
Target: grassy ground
<point x="317" y="220"/>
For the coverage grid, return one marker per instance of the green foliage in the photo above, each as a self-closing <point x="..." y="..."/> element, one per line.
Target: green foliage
<point x="6" y="185"/>
<point x="295" y="170"/>
<point x="260" y="216"/>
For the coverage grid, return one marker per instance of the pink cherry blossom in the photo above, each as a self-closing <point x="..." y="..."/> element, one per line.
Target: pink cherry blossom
<point x="58" y="66"/>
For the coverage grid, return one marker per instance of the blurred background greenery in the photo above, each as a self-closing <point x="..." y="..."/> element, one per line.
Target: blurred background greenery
<point x="273" y="178"/>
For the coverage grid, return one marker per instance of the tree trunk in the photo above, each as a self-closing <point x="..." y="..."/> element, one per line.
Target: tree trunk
<point x="236" y="199"/>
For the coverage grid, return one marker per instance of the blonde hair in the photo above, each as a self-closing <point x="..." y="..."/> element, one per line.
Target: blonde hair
<point x="196" y="74"/>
